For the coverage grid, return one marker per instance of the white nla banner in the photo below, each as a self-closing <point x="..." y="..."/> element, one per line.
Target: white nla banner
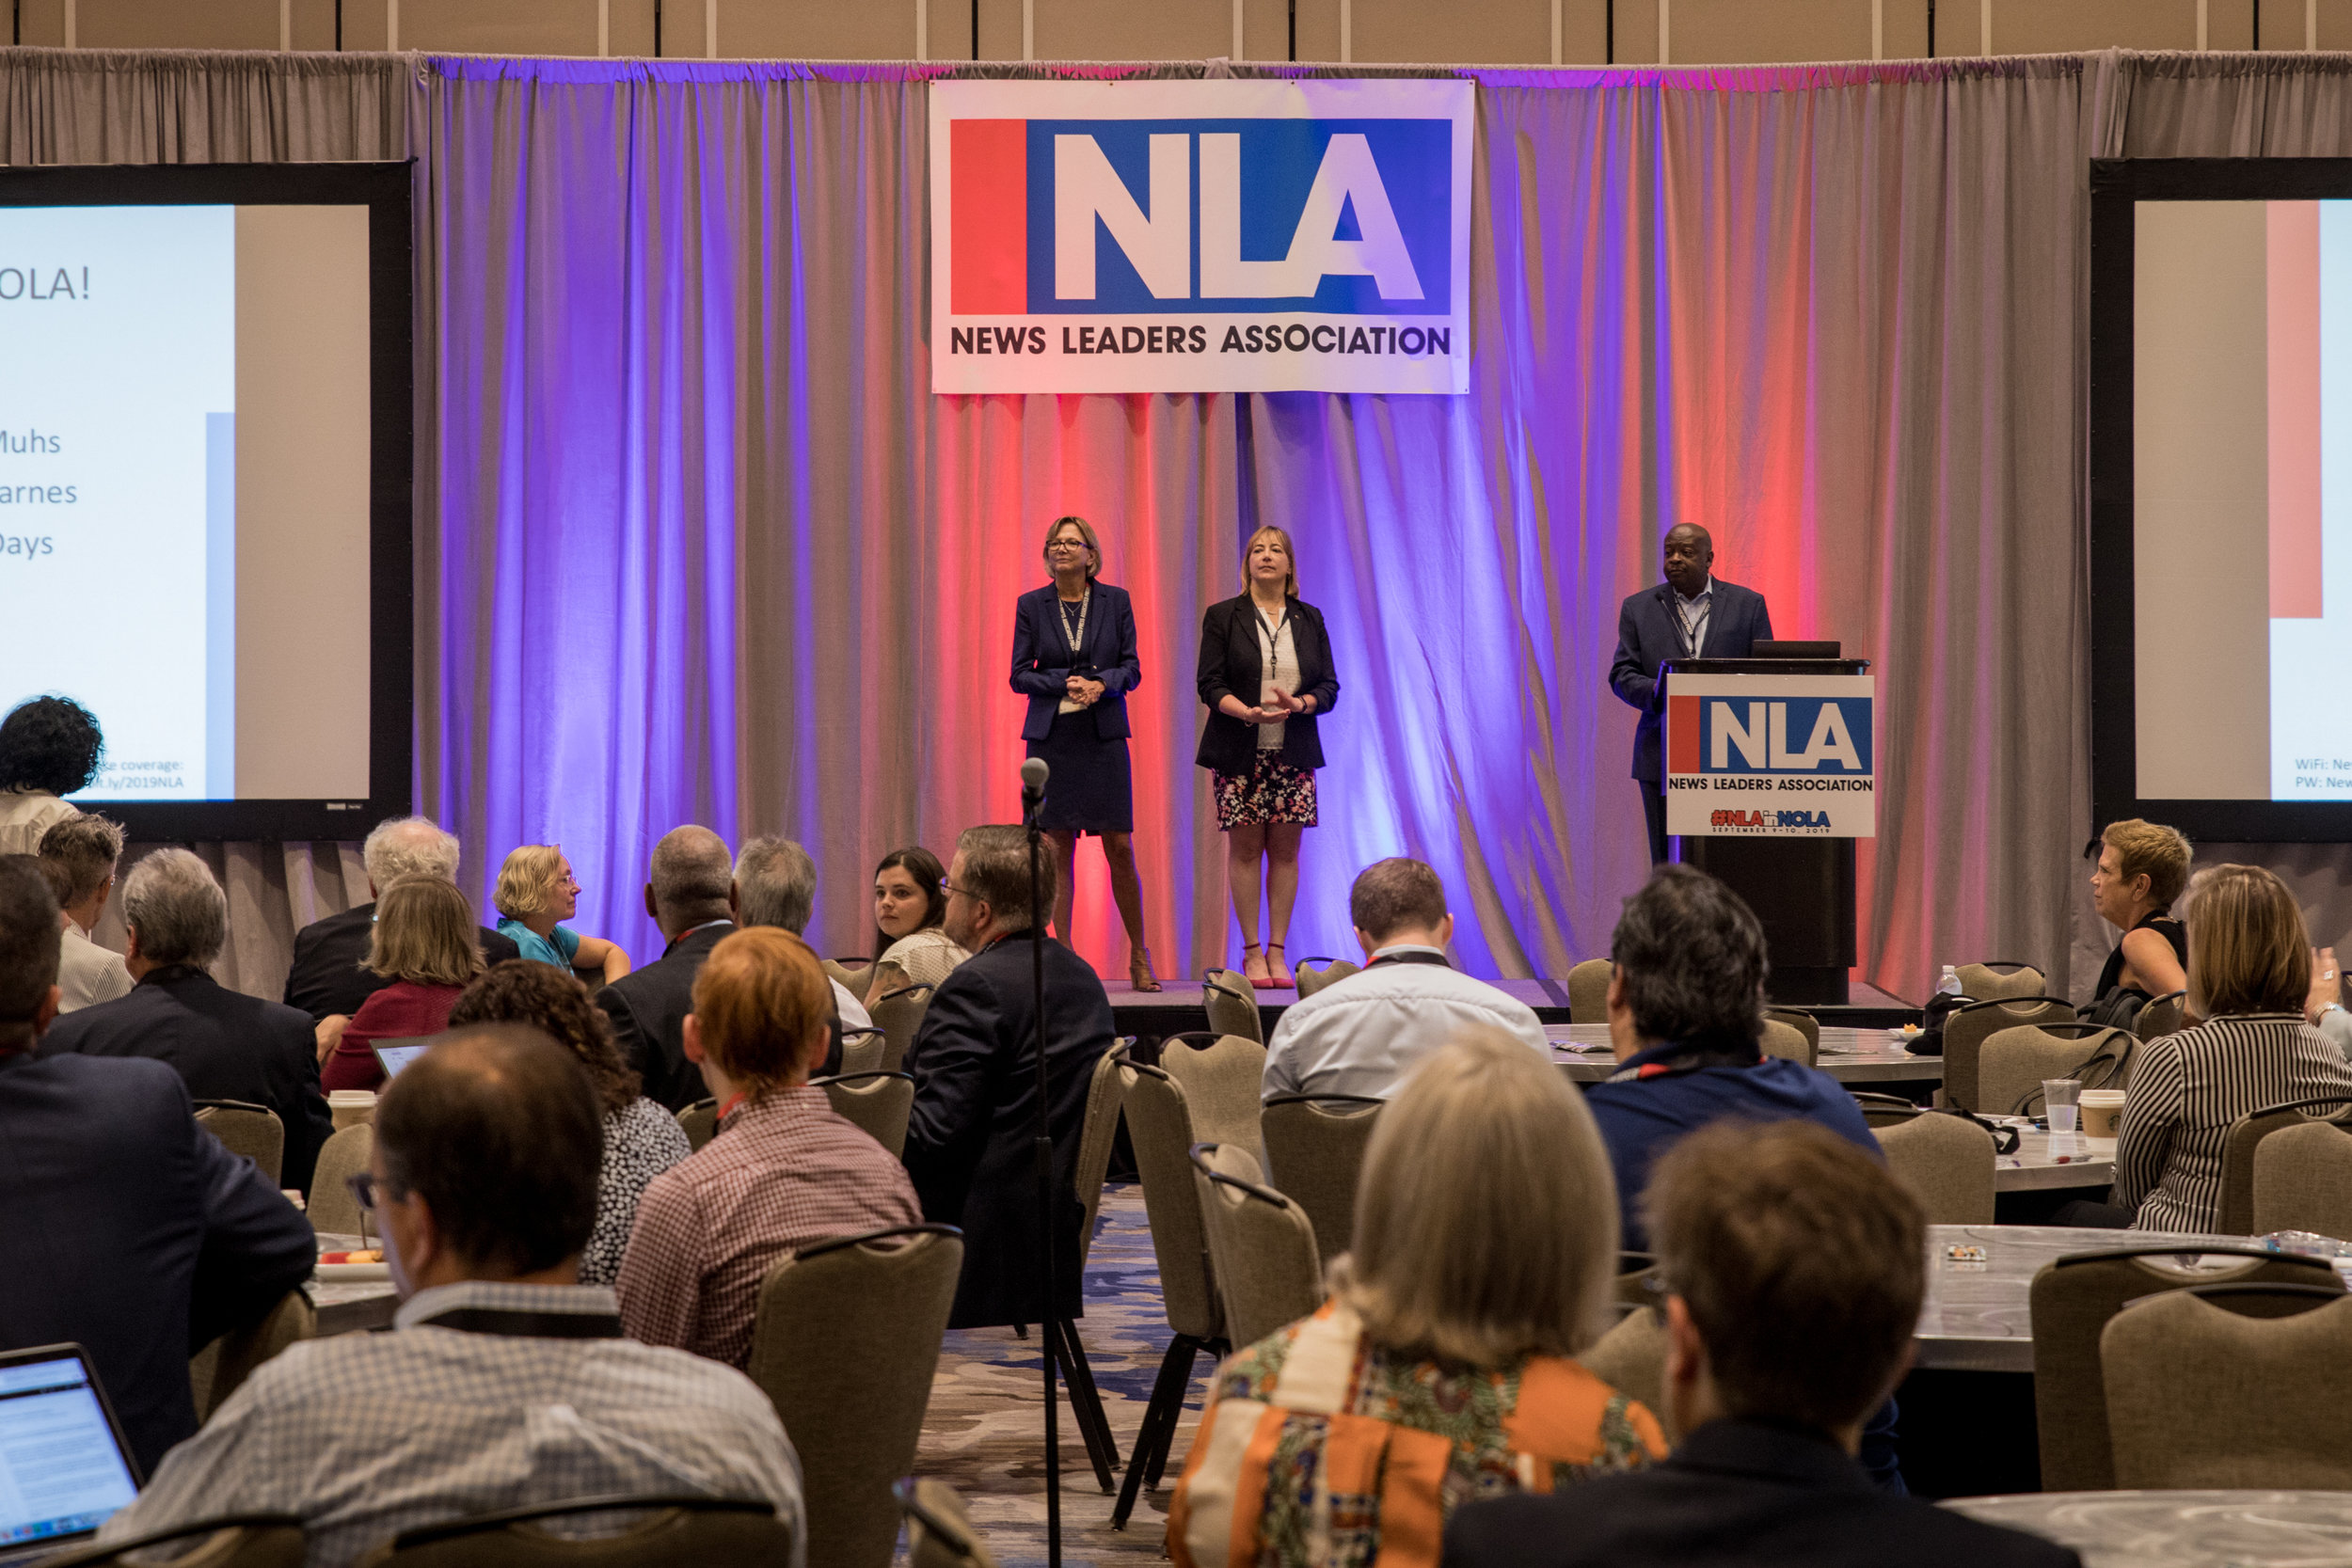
<point x="1781" y="756"/>
<point x="1201" y="236"/>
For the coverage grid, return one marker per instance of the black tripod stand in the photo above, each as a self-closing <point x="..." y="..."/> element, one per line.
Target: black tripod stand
<point x="1033" y="775"/>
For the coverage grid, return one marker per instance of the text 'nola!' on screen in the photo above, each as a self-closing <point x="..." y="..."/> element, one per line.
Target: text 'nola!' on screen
<point x="1201" y="236"/>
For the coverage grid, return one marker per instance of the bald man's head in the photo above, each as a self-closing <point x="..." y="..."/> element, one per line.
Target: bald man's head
<point x="691" y="880"/>
<point x="1689" y="556"/>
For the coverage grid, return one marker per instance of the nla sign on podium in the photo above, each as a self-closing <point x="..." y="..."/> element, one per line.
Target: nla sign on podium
<point x="1201" y="236"/>
<point x="1781" y="756"/>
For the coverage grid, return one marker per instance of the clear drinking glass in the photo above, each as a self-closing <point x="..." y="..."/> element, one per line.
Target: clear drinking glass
<point x="2063" y="1097"/>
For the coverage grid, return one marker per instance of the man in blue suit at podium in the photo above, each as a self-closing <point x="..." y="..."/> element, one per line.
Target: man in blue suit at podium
<point x="1693" y="614"/>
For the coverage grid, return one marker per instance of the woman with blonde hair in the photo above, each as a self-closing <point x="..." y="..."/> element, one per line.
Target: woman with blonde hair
<point x="425" y="941"/>
<point x="2141" y="869"/>
<point x="536" y="893"/>
<point x="1441" y="1371"/>
<point x="2249" y="970"/>
<point x="1265" y="675"/>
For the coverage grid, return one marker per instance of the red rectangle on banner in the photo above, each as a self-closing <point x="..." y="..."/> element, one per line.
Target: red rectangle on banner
<point x="1682" y="735"/>
<point x="2293" y="257"/>
<point x="989" y="203"/>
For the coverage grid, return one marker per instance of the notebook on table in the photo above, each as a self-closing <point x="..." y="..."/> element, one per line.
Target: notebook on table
<point x="64" y="1466"/>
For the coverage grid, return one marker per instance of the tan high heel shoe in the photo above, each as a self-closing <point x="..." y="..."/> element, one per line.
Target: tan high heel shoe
<point x="1139" y="969"/>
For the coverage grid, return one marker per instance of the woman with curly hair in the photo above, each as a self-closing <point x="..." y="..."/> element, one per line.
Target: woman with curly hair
<point x="640" y="1139"/>
<point x="49" y="747"/>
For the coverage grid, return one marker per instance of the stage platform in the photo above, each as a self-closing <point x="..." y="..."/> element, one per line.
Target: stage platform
<point x="1176" y="1008"/>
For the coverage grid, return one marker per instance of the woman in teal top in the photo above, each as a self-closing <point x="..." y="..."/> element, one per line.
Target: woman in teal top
<point x="535" y="892"/>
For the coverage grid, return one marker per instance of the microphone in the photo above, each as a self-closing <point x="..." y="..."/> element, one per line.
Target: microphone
<point x="1033" y="774"/>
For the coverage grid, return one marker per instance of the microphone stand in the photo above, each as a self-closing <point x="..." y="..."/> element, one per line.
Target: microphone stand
<point x="1032" y="799"/>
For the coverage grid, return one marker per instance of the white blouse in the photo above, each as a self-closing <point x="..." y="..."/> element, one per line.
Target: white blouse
<point x="1279" y="660"/>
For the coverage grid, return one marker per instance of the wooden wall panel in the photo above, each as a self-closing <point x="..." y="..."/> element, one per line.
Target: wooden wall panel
<point x="1743" y="32"/>
<point x="2050" y="27"/>
<point x="1125" y="30"/>
<point x="1468" y="32"/>
<point x="498" y="27"/>
<point x="176" y="24"/>
<point x="818" y="30"/>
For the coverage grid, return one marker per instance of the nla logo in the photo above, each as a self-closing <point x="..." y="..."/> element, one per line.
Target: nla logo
<point x="1796" y="735"/>
<point x="1199" y="235"/>
<point x="1790" y="822"/>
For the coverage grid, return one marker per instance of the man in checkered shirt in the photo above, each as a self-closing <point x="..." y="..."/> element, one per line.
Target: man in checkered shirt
<point x="502" y="1384"/>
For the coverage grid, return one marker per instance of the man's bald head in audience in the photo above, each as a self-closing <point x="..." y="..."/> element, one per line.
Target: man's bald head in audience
<point x="29" y="936"/>
<point x="691" y="883"/>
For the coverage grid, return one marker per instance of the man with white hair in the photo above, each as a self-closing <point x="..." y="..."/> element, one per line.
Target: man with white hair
<point x="78" y="857"/>
<point x="689" y="893"/>
<point x="327" y="977"/>
<point x="226" y="1045"/>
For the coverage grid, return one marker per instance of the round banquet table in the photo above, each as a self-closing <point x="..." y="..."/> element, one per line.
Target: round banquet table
<point x="2177" y="1529"/>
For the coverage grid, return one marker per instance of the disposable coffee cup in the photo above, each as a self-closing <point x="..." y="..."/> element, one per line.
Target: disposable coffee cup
<point x="349" y="1107"/>
<point x="2103" y="1113"/>
<point x="2059" y="1096"/>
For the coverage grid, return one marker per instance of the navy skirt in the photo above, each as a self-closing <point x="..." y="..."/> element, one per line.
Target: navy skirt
<point x="1090" y="790"/>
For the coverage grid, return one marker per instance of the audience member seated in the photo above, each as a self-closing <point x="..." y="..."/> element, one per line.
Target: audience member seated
<point x="330" y="975"/>
<point x="689" y="893"/>
<point x="424" y="944"/>
<point x="784" y="1170"/>
<point x="2248" y="974"/>
<point x="1795" y="1269"/>
<point x="78" y="856"/>
<point x="49" y="747"/>
<point x="642" y="1139"/>
<point x="972" y="1139"/>
<point x="1442" y="1368"/>
<point x="535" y="892"/>
<point x="2323" y="1008"/>
<point x="127" y="1227"/>
<point x="1686" y="1009"/>
<point x="503" y="1382"/>
<point x="1367" y="1032"/>
<point x="227" y="1045"/>
<point x="776" y="884"/>
<point x="2142" y="867"/>
<point x="912" y="946"/>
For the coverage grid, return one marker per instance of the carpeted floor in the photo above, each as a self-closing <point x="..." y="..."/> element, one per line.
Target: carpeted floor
<point x="984" y="1435"/>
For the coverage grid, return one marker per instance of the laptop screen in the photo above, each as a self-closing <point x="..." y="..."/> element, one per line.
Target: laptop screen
<point x="394" y="1058"/>
<point x="63" y="1471"/>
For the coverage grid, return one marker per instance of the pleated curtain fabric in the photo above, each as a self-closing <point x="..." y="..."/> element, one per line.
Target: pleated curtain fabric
<point x="696" y="543"/>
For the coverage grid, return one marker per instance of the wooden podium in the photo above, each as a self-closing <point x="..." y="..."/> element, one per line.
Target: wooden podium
<point x="1769" y="779"/>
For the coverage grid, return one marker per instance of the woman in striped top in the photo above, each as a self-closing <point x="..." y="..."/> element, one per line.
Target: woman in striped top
<point x="2249" y="970"/>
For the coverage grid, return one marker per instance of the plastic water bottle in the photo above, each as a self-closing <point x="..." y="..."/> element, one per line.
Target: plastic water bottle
<point x="1950" y="985"/>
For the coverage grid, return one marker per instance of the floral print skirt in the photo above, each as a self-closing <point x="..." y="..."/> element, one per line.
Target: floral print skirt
<point x="1273" y="791"/>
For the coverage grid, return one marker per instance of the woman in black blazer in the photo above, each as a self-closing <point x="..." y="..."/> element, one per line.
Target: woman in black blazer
<point x="1074" y="657"/>
<point x="1265" y="675"/>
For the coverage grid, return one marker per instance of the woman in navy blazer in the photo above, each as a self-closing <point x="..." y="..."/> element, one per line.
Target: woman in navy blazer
<point x="1264" y="674"/>
<point x="1074" y="657"/>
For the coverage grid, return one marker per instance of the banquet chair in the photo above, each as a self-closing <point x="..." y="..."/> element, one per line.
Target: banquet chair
<point x="2013" y="1064"/>
<point x="1232" y="1005"/>
<point x="1159" y="1120"/>
<point x="2235" y="1386"/>
<point x="1588" y="992"/>
<point x="2303" y="1181"/>
<point x="1806" y="1024"/>
<point x="1994" y="980"/>
<point x="1261" y="1246"/>
<point x="1885" y="1110"/>
<point x="1632" y="1358"/>
<point x="232" y="1541"/>
<point x="940" y="1532"/>
<point x="1944" y="1162"/>
<point x="851" y="973"/>
<point x="1314" y="1150"/>
<point x="1635" y="1270"/>
<point x="1970" y="1025"/>
<point x="861" y="1050"/>
<point x="877" y="1103"/>
<point x="654" y="1528"/>
<point x="1097" y="1134"/>
<point x="215" y="1371"/>
<point x="1311" y="979"/>
<point x="2070" y="1303"/>
<point x="878" y="1306"/>
<point x="700" y="1122"/>
<point x="2164" y="1015"/>
<point x="243" y="1128"/>
<point x="1784" y="1039"/>
<point x="333" y="1209"/>
<point x="1222" y="1077"/>
<point x="899" y="1017"/>
<point x="2239" y="1146"/>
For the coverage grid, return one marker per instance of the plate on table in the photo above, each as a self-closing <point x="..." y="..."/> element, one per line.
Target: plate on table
<point x="345" y="1268"/>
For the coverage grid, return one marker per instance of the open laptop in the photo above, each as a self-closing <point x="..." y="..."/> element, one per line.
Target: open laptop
<point x="64" y="1466"/>
<point x="395" y="1054"/>
<point x="1766" y="648"/>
